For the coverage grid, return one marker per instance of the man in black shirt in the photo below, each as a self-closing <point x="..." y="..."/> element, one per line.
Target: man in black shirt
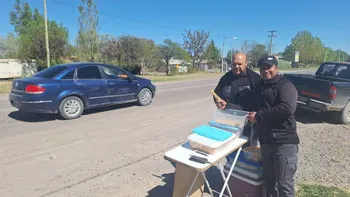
<point x="276" y="130"/>
<point x="237" y="88"/>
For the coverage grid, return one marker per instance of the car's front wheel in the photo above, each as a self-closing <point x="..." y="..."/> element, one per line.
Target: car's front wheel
<point x="144" y="97"/>
<point x="71" y="107"/>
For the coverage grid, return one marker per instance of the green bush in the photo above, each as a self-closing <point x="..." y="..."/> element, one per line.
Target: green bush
<point x="174" y="71"/>
<point x="284" y="64"/>
<point x="192" y="69"/>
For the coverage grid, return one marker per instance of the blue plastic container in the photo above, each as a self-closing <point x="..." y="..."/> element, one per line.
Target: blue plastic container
<point x="212" y="133"/>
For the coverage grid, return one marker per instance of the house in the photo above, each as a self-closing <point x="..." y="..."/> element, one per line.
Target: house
<point x="181" y="65"/>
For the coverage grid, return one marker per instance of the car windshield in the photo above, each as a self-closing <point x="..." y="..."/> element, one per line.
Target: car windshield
<point x="335" y="70"/>
<point x="50" y="72"/>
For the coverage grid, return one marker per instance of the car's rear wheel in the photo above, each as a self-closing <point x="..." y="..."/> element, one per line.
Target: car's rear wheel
<point x="71" y="107"/>
<point x="345" y="114"/>
<point x="144" y="97"/>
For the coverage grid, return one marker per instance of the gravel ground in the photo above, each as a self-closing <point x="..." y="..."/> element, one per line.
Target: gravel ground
<point x="324" y="151"/>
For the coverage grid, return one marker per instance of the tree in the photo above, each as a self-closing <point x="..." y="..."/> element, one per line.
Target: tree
<point x="130" y="51"/>
<point x="88" y="39"/>
<point x="21" y="17"/>
<point x="212" y="52"/>
<point x="9" y="46"/>
<point x="311" y="49"/>
<point x="168" y="50"/>
<point x="245" y="46"/>
<point x="194" y="43"/>
<point x="149" y="53"/>
<point x="256" y="52"/>
<point x="29" y="27"/>
<point x="110" y="50"/>
<point x="289" y="53"/>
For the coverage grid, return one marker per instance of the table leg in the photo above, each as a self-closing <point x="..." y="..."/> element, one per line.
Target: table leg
<point x="230" y="172"/>
<point x="224" y="178"/>
<point x="187" y="182"/>
<point x="207" y="183"/>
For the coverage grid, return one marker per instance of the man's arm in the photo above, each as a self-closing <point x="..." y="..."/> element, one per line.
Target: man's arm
<point x="286" y="107"/>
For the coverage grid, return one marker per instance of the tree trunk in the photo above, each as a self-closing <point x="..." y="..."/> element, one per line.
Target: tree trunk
<point x="167" y="68"/>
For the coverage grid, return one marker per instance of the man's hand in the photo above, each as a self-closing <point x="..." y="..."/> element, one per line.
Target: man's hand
<point x="251" y="117"/>
<point x="221" y="104"/>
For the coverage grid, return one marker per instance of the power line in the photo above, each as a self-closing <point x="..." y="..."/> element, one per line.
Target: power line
<point x="120" y="17"/>
<point x="271" y="36"/>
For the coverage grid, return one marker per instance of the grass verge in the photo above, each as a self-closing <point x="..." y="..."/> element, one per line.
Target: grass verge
<point x="159" y="78"/>
<point x="5" y="87"/>
<point x="306" y="190"/>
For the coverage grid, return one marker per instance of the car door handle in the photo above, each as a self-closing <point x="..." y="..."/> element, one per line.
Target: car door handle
<point x="111" y="83"/>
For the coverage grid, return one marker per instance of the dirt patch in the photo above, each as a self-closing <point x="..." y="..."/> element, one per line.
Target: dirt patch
<point x="5" y="87"/>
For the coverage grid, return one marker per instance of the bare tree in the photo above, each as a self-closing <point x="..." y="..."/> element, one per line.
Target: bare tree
<point x="195" y="44"/>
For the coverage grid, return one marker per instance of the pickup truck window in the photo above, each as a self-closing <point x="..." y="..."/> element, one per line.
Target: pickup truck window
<point x="335" y="70"/>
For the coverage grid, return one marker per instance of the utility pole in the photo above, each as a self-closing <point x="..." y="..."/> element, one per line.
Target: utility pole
<point x="271" y="36"/>
<point x="222" y="55"/>
<point x="231" y="53"/>
<point x="46" y="37"/>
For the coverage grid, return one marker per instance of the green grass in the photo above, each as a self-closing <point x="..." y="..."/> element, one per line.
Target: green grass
<point x="5" y="87"/>
<point x="306" y="190"/>
<point x="159" y="78"/>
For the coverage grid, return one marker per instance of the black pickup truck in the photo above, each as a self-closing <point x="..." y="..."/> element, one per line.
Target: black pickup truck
<point x="327" y="90"/>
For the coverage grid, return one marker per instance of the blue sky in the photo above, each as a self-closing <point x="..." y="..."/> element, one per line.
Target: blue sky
<point x="247" y="20"/>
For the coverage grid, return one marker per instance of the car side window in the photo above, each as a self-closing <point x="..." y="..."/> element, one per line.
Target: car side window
<point x="69" y="75"/>
<point x="114" y="73"/>
<point x="89" y="72"/>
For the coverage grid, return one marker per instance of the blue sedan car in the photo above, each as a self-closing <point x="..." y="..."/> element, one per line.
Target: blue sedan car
<point x="69" y="89"/>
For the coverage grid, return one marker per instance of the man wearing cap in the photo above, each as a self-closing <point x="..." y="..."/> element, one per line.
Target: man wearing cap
<point x="237" y="88"/>
<point x="276" y="129"/>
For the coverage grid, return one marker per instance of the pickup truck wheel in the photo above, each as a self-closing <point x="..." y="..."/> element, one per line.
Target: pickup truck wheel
<point x="345" y="114"/>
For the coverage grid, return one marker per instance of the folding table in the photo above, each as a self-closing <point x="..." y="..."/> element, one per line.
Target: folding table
<point x="188" y="183"/>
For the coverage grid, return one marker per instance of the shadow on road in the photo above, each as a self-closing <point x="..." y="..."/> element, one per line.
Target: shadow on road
<point x="32" y="117"/>
<point x="163" y="190"/>
<point x="108" y="108"/>
<point x="213" y="176"/>
<point x="309" y="117"/>
<point x="36" y="117"/>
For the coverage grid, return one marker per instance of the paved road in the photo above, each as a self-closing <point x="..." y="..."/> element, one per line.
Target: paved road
<point x="115" y="151"/>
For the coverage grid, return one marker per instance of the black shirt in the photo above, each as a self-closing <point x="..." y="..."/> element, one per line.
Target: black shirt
<point x="240" y="92"/>
<point x="276" y="123"/>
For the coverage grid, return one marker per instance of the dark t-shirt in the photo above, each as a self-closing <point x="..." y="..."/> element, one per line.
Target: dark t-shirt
<point x="240" y="92"/>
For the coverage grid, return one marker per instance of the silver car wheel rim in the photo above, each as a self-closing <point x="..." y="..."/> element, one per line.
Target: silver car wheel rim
<point x="348" y="115"/>
<point x="71" y="108"/>
<point x="145" y="96"/>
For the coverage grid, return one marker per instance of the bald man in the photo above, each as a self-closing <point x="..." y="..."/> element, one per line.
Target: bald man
<point x="239" y="88"/>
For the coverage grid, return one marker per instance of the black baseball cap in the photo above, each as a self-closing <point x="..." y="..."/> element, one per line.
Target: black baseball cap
<point x="268" y="60"/>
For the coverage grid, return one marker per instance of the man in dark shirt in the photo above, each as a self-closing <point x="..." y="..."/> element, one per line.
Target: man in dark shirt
<point x="238" y="87"/>
<point x="276" y="129"/>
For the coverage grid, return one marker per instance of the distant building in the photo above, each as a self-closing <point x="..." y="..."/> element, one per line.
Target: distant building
<point x="14" y="68"/>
